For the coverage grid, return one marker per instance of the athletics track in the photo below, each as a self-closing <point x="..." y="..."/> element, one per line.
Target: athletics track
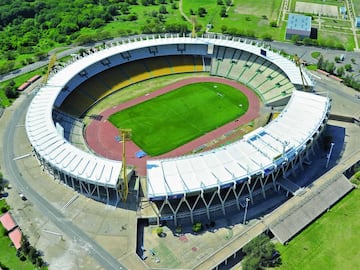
<point x="101" y="135"/>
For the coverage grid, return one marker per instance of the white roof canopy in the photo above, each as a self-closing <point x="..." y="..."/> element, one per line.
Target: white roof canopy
<point x="257" y="151"/>
<point x="166" y="177"/>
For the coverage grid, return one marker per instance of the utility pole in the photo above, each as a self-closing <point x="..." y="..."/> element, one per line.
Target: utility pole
<point x="246" y="208"/>
<point x="329" y="154"/>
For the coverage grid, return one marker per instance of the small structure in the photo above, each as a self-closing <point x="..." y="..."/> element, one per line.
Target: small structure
<point x="298" y="25"/>
<point x="342" y="10"/>
<point x="357" y="21"/>
<point x="14" y="232"/>
<point x="15" y="237"/>
<point x="7" y="221"/>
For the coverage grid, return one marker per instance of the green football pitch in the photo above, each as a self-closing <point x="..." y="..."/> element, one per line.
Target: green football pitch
<point x="168" y="121"/>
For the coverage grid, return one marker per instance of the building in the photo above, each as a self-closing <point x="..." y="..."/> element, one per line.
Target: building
<point x="342" y="10"/>
<point x="298" y="25"/>
<point x="193" y="185"/>
<point x="357" y="21"/>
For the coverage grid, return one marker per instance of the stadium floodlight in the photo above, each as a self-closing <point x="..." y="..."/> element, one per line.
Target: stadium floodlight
<point x="125" y="136"/>
<point x="246" y="208"/>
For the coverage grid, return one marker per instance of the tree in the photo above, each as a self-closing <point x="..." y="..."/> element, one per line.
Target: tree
<point x="124" y="9"/>
<point x="267" y="37"/>
<point x="202" y="11"/>
<point x="337" y="59"/>
<point x="250" y="263"/>
<point x="1" y="182"/>
<point x="163" y="10"/>
<point x="220" y="2"/>
<point x="273" y="24"/>
<point x="132" y="17"/>
<point x="348" y="67"/>
<point x="307" y="41"/>
<point x="112" y="10"/>
<point x="295" y="39"/>
<point x="340" y="71"/>
<point x="329" y="66"/>
<point x="260" y="252"/>
<point x="223" y="12"/>
<point x="11" y="92"/>
<point x="39" y="262"/>
<point x="40" y="55"/>
<point x="96" y="23"/>
<point x="197" y="227"/>
<point x="320" y="63"/>
<point x="32" y="254"/>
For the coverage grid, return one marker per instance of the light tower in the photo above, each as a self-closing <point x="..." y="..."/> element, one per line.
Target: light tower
<point x="298" y="63"/>
<point x="125" y="136"/>
<point x="52" y="62"/>
<point x="193" y="22"/>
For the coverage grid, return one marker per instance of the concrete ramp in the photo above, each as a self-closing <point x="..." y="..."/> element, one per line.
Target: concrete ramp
<point x="315" y="202"/>
<point x="289" y="186"/>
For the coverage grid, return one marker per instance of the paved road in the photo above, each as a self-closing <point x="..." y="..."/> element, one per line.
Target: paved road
<point x="55" y="216"/>
<point x="303" y="51"/>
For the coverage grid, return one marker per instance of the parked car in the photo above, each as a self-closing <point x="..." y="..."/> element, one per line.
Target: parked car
<point x="22" y="196"/>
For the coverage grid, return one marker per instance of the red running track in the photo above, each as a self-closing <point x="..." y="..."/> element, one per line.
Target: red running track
<point x="100" y="135"/>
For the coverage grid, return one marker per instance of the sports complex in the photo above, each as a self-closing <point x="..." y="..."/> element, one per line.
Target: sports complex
<point x="191" y="183"/>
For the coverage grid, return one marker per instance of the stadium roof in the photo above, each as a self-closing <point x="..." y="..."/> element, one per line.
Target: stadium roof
<point x="258" y="153"/>
<point x="55" y="149"/>
<point x="60" y="154"/>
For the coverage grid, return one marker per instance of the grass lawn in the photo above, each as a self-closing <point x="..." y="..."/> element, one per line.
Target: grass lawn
<point x="331" y="242"/>
<point x="173" y="119"/>
<point x="8" y="252"/>
<point x="251" y="17"/>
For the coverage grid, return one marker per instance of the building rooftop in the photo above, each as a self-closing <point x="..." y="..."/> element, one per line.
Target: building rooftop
<point x="299" y="22"/>
<point x="7" y="221"/>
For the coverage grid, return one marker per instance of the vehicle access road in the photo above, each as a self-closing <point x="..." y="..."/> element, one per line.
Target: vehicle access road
<point x="106" y="260"/>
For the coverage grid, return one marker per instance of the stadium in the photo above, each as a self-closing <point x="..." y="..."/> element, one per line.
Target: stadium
<point x="184" y="187"/>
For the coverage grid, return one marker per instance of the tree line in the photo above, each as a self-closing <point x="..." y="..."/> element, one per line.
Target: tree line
<point x="30" y="28"/>
<point x="344" y="72"/>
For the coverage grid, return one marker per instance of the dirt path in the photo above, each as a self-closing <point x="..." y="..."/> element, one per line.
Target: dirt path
<point x="183" y="13"/>
<point x="101" y="135"/>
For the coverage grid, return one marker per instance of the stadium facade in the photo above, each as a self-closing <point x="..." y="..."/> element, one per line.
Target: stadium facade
<point x="191" y="185"/>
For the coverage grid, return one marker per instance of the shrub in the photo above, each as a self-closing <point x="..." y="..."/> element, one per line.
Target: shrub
<point x="178" y="229"/>
<point x="197" y="227"/>
<point x="355" y="179"/>
<point x="159" y="230"/>
<point x="315" y="55"/>
<point x="273" y="24"/>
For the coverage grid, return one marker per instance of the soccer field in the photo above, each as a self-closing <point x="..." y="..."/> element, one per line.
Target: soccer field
<point x="168" y="121"/>
<point x="331" y="242"/>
